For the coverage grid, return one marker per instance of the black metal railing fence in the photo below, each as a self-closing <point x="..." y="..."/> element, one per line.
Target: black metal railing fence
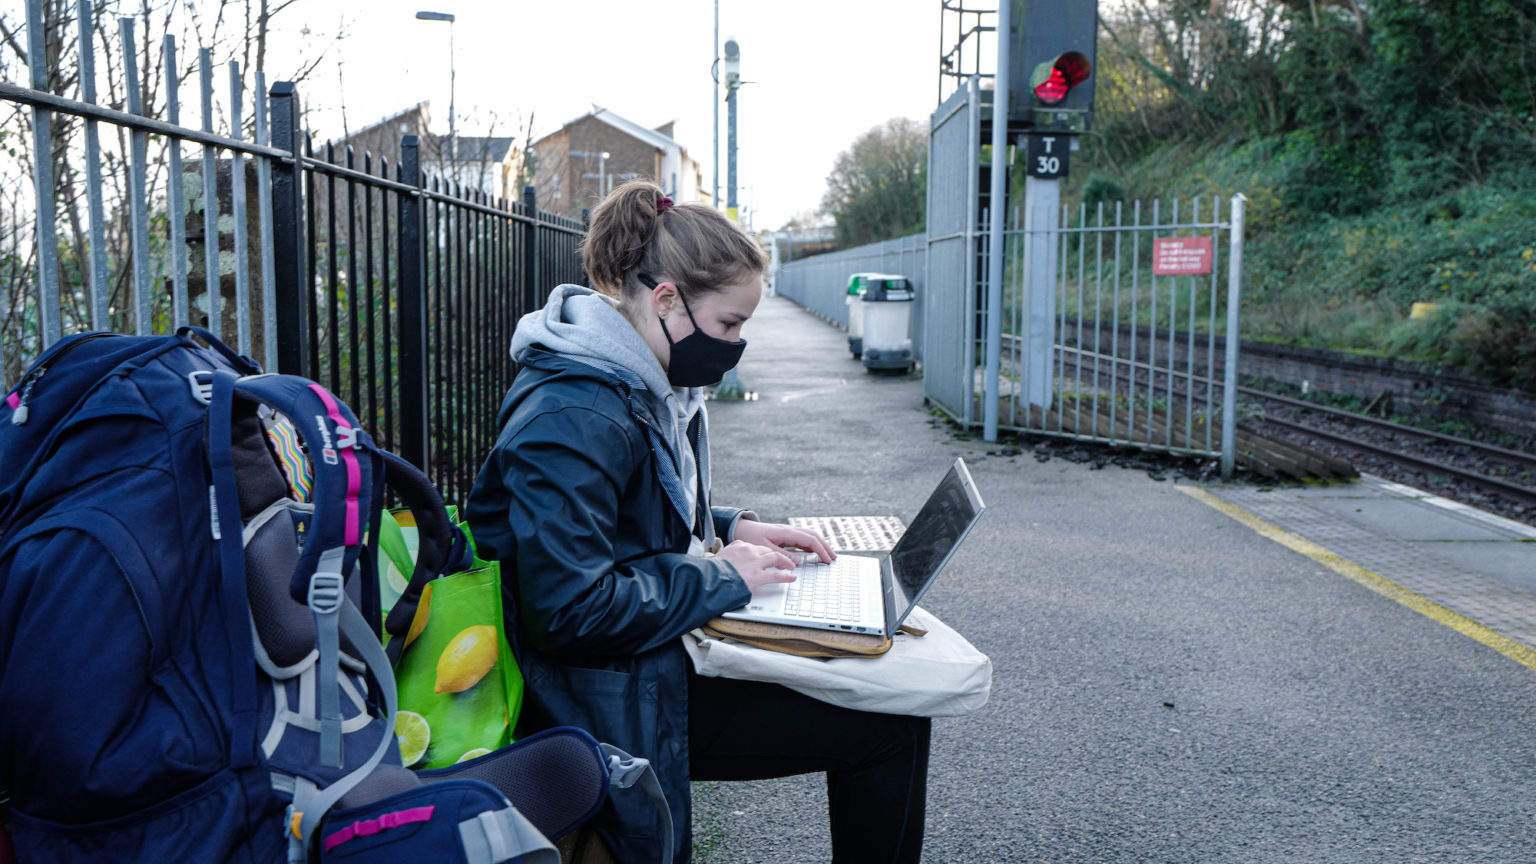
<point x="396" y="290"/>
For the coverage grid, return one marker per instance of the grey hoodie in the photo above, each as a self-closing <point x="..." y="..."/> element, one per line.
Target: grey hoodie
<point x="588" y="327"/>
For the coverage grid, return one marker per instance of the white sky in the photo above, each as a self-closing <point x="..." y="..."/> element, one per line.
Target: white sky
<point x="822" y="72"/>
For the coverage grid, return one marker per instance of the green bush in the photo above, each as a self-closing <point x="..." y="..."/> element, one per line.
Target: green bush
<point x="1387" y="151"/>
<point x="1498" y="341"/>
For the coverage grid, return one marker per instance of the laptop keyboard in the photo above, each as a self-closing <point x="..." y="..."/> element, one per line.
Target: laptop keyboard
<point x="826" y="592"/>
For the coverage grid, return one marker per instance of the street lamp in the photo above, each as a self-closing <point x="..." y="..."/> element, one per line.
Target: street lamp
<point x="453" y="140"/>
<point x="714" y="72"/>
<point x="730" y="386"/>
<point x="732" y="84"/>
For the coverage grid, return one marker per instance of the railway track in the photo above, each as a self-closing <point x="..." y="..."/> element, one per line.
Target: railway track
<point x="1494" y="485"/>
<point x="1345" y="432"/>
<point x="1512" y="458"/>
<point x="1407" y="447"/>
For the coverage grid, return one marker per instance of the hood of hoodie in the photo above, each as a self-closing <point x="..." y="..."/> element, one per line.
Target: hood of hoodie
<point x="585" y="326"/>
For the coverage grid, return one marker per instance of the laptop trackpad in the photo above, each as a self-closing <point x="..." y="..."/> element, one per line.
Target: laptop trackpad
<point x="769" y="597"/>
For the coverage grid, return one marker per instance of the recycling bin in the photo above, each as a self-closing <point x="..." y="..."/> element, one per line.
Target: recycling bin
<point x="856" y="285"/>
<point x="887" y="308"/>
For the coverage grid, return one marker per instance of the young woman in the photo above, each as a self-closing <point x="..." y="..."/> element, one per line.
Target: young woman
<point x="596" y="501"/>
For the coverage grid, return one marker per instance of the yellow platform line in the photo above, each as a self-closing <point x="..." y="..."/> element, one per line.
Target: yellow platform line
<point x="1520" y="653"/>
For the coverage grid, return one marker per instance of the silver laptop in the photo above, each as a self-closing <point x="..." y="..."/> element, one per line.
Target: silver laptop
<point x="863" y="594"/>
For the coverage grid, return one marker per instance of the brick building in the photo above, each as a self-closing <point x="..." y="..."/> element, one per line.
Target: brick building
<point x="382" y="139"/>
<point x="487" y="163"/>
<point x="571" y="172"/>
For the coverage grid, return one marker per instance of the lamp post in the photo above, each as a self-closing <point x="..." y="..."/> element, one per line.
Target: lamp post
<point x="714" y="72"/>
<point x="732" y="84"/>
<point x="731" y="387"/>
<point x="453" y="140"/>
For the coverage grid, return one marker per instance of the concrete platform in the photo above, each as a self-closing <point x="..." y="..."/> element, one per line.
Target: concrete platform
<point x="1172" y="681"/>
<point x="1475" y="565"/>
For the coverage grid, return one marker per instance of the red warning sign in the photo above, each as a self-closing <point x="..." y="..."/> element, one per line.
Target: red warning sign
<point x="1181" y="256"/>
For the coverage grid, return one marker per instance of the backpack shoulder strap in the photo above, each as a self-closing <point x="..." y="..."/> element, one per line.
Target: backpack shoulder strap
<point x="346" y="463"/>
<point x="310" y="804"/>
<point x="346" y="467"/>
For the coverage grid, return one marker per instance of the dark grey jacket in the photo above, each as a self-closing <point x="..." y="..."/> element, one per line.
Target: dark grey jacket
<point x="598" y="588"/>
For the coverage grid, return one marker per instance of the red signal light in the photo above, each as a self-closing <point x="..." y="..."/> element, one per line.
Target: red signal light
<point x="1051" y="81"/>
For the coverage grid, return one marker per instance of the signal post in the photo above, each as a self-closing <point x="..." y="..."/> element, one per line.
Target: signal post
<point x="1046" y="57"/>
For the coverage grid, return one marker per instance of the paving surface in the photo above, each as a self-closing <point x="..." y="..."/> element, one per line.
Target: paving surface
<point x="1170" y="684"/>
<point x="1477" y="565"/>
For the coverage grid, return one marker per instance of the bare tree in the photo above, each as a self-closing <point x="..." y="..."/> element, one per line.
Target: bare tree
<point x="231" y="29"/>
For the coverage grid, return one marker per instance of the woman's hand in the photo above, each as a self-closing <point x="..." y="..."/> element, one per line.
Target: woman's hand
<point x="758" y="565"/>
<point x="782" y="537"/>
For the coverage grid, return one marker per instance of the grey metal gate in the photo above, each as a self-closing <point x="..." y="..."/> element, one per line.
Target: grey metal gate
<point x="1139" y="337"/>
<point x="949" y="304"/>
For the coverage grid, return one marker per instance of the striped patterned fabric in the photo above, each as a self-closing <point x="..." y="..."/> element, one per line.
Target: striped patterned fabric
<point x="290" y="454"/>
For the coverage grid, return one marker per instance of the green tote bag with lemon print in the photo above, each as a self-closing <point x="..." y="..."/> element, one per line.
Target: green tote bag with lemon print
<point x="459" y="685"/>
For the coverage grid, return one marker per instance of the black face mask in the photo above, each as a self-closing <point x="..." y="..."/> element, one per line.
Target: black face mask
<point x="698" y="359"/>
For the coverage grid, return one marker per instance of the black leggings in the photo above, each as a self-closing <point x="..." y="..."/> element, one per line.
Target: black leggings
<point x="876" y="764"/>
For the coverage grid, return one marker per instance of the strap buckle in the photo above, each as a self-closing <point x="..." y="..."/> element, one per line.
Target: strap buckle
<point x="325" y="592"/>
<point x="202" y="390"/>
<point x="624" y="773"/>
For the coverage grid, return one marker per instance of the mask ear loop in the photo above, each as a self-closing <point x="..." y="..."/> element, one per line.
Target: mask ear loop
<point x="652" y="284"/>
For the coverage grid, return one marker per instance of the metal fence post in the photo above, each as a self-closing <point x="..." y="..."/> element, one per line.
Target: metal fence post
<point x="1234" y="302"/>
<point x="997" y="200"/>
<point x="50" y="324"/>
<point x="101" y="317"/>
<point x="290" y="288"/>
<point x="530" y="250"/>
<point x="413" y="313"/>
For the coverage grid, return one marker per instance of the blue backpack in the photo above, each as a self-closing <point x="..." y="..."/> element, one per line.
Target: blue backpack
<point x="189" y="662"/>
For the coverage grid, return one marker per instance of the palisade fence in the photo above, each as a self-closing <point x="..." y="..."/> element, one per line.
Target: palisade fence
<point x="820" y="283"/>
<point x="1130" y="338"/>
<point x="1110" y="347"/>
<point x="397" y="291"/>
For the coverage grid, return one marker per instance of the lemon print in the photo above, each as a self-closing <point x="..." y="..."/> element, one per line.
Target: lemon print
<point x="472" y="754"/>
<point x="423" y="612"/>
<point x="413" y="734"/>
<point x="467" y="658"/>
<point x="397" y="580"/>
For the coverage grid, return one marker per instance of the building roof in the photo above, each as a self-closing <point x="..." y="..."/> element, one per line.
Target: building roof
<point x="422" y="108"/>
<point x="473" y="148"/>
<point x="633" y="129"/>
<point x="659" y="140"/>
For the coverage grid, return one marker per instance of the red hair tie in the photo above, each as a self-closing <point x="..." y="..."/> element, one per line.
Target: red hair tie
<point x="663" y="204"/>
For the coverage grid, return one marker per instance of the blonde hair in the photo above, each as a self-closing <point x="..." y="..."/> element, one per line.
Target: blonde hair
<point x="692" y="245"/>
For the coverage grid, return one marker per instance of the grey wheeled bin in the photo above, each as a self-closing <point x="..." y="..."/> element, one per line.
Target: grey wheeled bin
<point x="887" y="323"/>
<point x="856" y="285"/>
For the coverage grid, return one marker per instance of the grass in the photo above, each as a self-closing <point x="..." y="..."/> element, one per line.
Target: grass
<point x="1349" y="283"/>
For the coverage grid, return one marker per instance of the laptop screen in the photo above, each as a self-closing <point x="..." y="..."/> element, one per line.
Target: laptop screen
<point x="936" y="531"/>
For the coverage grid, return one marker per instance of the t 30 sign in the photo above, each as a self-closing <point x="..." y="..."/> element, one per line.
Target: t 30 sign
<point x="1046" y="155"/>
